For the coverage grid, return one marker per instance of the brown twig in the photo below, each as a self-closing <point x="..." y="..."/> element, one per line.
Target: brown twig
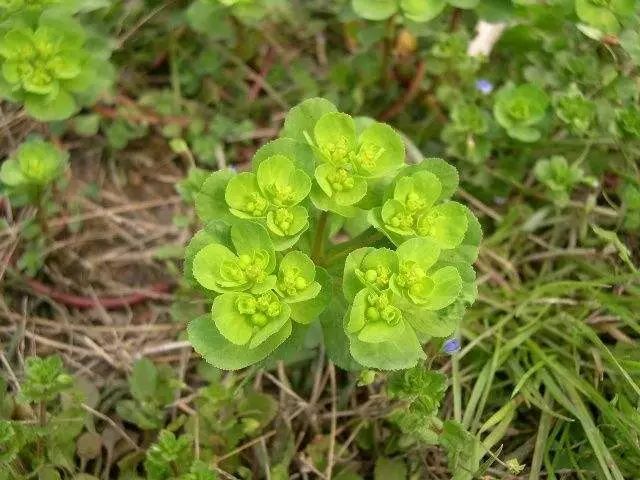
<point x="409" y="94"/>
<point x="109" y="303"/>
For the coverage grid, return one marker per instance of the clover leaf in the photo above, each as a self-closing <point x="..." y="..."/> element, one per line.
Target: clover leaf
<point x="216" y="267"/>
<point x="519" y="109"/>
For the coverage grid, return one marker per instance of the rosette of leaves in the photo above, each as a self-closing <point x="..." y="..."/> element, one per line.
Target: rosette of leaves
<point x="519" y="110"/>
<point x="34" y="167"/>
<point x="628" y="122"/>
<point x="575" y="110"/>
<point x="273" y="195"/>
<point x="418" y="205"/>
<point x="464" y="134"/>
<point x="605" y="15"/>
<point x="396" y="297"/>
<point x="257" y="294"/>
<point x="414" y="10"/>
<point x="48" y="66"/>
<point x="561" y="178"/>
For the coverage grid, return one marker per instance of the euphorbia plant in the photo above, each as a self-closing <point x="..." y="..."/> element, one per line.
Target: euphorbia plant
<point x="278" y="280"/>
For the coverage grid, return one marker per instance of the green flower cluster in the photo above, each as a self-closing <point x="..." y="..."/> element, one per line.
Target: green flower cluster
<point x="33" y="167"/>
<point x="268" y="232"/>
<point x="414" y="10"/>
<point x="465" y="133"/>
<point x="48" y="65"/>
<point x="628" y="120"/>
<point x="257" y="294"/>
<point x="395" y="297"/>
<point x="520" y="109"/>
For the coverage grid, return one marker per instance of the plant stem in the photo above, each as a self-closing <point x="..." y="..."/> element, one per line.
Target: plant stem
<point x="387" y="46"/>
<point x="365" y="239"/>
<point x="318" y="241"/>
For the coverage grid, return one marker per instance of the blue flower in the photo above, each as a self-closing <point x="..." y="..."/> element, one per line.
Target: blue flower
<point x="451" y="346"/>
<point x="484" y="86"/>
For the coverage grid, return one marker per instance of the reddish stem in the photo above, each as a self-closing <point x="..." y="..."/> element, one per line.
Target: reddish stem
<point x="267" y="64"/>
<point x="410" y="93"/>
<point x="108" y="303"/>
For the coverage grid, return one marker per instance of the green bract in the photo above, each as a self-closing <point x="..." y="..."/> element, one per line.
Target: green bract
<point x="519" y="109"/>
<point x="348" y="161"/>
<point x="273" y="196"/>
<point x="35" y="165"/>
<point x="418" y="205"/>
<point x="605" y="15"/>
<point x="48" y="66"/>
<point x="260" y="257"/>
<point x="414" y="10"/>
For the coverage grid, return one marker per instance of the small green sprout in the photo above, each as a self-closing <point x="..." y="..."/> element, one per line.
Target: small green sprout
<point x="575" y="110"/>
<point x="414" y="10"/>
<point x="561" y="178"/>
<point x="44" y="379"/>
<point x="605" y="15"/>
<point x="32" y="168"/>
<point x="465" y="134"/>
<point x="49" y="68"/>
<point x="520" y="109"/>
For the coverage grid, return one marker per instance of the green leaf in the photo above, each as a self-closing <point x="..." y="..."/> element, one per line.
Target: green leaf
<point x="143" y="380"/>
<point x="48" y="109"/>
<point x="233" y="325"/>
<point x="447" y="285"/>
<point x="403" y="351"/>
<point x="418" y="251"/>
<point x="299" y="152"/>
<point x="210" y="201"/>
<point x="387" y="469"/>
<point x="446" y="173"/>
<point x="422" y="10"/>
<point x="375" y="9"/>
<point x="301" y="119"/>
<point x="208" y="265"/>
<point x="219" y="352"/>
<point x="249" y="238"/>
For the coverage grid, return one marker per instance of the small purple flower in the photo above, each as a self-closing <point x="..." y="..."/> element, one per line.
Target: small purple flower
<point x="484" y="86"/>
<point x="451" y="346"/>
